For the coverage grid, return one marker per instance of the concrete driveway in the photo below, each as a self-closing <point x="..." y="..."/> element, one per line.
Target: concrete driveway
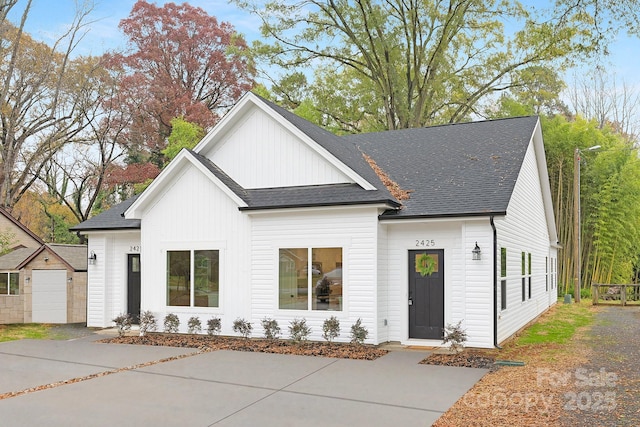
<point x="165" y="386"/>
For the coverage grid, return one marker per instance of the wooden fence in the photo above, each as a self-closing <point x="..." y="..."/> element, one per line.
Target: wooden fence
<point x="608" y="294"/>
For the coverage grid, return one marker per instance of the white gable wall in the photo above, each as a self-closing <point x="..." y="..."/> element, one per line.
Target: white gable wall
<point x="352" y="229"/>
<point x="259" y="152"/>
<point x="194" y="213"/>
<point x="524" y="229"/>
<point x="107" y="279"/>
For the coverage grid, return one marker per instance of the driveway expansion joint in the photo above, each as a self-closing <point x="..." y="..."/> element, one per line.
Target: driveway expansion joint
<point x="11" y="394"/>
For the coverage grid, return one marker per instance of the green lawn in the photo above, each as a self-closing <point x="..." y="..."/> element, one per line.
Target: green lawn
<point x="559" y="326"/>
<point x="24" y="331"/>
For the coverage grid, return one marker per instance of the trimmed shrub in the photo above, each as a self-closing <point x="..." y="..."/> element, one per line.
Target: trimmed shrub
<point x="271" y="328"/>
<point x="455" y="336"/>
<point x="331" y="329"/>
<point x="194" y="326"/>
<point x="214" y="326"/>
<point x="123" y="322"/>
<point x="171" y="323"/>
<point x="242" y="327"/>
<point x="298" y="330"/>
<point x="358" y="332"/>
<point x="148" y="322"/>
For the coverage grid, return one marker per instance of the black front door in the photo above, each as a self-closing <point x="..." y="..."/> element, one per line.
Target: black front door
<point x="426" y="294"/>
<point x="133" y="286"/>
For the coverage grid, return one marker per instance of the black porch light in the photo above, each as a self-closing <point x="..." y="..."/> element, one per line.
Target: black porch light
<point x="92" y="258"/>
<point x="476" y="253"/>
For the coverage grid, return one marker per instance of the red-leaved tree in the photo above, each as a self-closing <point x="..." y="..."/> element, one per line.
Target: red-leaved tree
<point x="179" y="62"/>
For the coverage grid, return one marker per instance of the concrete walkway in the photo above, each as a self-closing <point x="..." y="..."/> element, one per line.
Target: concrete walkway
<point x="222" y="388"/>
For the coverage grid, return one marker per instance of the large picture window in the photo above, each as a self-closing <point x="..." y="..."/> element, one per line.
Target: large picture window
<point x="193" y="278"/>
<point x="310" y="279"/>
<point x="9" y="283"/>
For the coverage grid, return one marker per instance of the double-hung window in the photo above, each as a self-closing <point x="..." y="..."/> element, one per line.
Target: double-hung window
<point x="310" y="279"/>
<point x="503" y="278"/>
<point x="9" y="283"/>
<point x="193" y="278"/>
<point x="524" y="279"/>
<point x="529" y="276"/>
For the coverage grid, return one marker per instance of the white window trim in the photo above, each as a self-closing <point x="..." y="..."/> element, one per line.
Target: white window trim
<point x="192" y="247"/>
<point x="296" y="244"/>
<point x="8" y="273"/>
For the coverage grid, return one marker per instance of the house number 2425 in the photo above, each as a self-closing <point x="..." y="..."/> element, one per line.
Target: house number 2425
<point x="425" y="243"/>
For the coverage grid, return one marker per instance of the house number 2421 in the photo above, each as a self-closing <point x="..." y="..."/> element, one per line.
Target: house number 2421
<point x="425" y="243"/>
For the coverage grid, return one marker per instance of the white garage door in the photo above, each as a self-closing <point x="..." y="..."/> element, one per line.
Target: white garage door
<point x="49" y="296"/>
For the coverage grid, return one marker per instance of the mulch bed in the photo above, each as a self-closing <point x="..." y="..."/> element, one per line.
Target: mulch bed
<point x="465" y="359"/>
<point x="212" y="343"/>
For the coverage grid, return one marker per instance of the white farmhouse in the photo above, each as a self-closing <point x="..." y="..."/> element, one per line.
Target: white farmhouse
<point x="273" y="217"/>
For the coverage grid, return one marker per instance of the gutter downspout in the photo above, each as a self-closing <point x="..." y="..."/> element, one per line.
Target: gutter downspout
<point x="495" y="284"/>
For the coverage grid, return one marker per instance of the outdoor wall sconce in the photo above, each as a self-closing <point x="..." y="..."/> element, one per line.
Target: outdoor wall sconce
<point x="27" y="279"/>
<point x="477" y="253"/>
<point x="70" y="279"/>
<point x="92" y="258"/>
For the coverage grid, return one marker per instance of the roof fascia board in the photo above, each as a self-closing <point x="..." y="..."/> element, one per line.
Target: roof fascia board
<point x="334" y="207"/>
<point x="244" y="105"/>
<point x="439" y="218"/>
<point x="21" y="226"/>
<point x="108" y="230"/>
<point x="543" y="172"/>
<point x="233" y="116"/>
<point x="43" y="248"/>
<point x="183" y="159"/>
<point x="316" y="147"/>
<point x="135" y="210"/>
<point x="202" y="168"/>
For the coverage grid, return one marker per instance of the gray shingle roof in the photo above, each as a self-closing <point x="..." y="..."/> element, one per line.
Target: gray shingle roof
<point x="316" y="195"/>
<point x="74" y="255"/>
<point x="301" y="196"/>
<point x="13" y="259"/>
<point x="111" y="219"/>
<point x="452" y="170"/>
<point x="222" y="176"/>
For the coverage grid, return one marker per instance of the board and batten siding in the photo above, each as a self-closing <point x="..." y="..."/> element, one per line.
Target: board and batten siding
<point x="524" y="229"/>
<point x="107" y="278"/>
<point x="383" y="284"/>
<point x="352" y="229"/>
<point x="468" y="284"/>
<point x="259" y="152"/>
<point x="194" y="213"/>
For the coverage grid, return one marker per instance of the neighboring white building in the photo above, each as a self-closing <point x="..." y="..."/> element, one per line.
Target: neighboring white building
<point x="271" y="216"/>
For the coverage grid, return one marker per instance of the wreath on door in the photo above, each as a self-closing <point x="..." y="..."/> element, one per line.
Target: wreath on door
<point x="425" y="265"/>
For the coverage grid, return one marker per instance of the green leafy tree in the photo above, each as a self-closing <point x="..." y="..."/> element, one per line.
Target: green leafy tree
<point x="610" y="199"/>
<point x="183" y="135"/>
<point x="417" y="62"/>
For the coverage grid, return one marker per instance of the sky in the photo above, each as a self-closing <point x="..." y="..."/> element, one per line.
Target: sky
<point x="48" y="19"/>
